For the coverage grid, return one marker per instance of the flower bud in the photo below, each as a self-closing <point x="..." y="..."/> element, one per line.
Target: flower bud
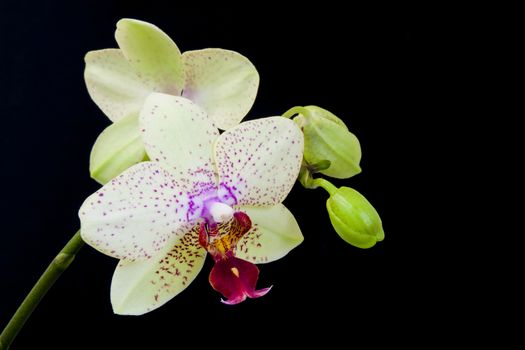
<point x="326" y="137"/>
<point x="117" y="148"/>
<point x="354" y="218"/>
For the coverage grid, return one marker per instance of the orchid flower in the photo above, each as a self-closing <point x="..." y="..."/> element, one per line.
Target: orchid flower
<point x="202" y="192"/>
<point x="223" y="83"/>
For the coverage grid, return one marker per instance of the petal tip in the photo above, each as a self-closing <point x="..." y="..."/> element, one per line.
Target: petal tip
<point x="261" y="292"/>
<point x="126" y="21"/>
<point x="122" y="311"/>
<point x="233" y="301"/>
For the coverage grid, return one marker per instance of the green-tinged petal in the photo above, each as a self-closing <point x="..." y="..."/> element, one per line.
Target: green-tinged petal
<point x="274" y="234"/>
<point x="152" y="53"/>
<point x="259" y="160"/>
<point x="117" y="148"/>
<point x="142" y="286"/>
<point x="222" y="82"/>
<point x="178" y="133"/>
<point x="135" y="214"/>
<point x="114" y="85"/>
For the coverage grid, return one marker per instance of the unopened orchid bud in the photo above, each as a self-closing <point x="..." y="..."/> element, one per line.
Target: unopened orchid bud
<point x="326" y="138"/>
<point x="354" y="218"/>
<point x="117" y="148"/>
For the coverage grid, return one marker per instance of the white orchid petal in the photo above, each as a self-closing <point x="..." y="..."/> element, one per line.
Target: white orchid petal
<point x="178" y="133"/>
<point x="152" y="53"/>
<point x="133" y="216"/>
<point x="142" y="286"/>
<point x="259" y="160"/>
<point x="274" y="234"/>
<point x="114" y="85"/>
<point x="222" y="82"/>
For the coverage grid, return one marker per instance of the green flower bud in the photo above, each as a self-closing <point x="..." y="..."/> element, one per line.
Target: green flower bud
<point x="326" y="137"/>
<point x="354" y="218"/>
<point x="117" y="148"/>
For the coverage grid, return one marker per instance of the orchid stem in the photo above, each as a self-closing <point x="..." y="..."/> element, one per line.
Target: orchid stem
<point x="327" y="185"/>
<point x="59" y="264"/>
<point x="295" y="110"/>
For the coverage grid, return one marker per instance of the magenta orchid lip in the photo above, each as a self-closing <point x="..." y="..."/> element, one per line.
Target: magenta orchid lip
<point x="234" y="278"/>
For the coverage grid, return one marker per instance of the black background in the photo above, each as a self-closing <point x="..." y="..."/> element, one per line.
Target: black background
<point x="368" y="67"/>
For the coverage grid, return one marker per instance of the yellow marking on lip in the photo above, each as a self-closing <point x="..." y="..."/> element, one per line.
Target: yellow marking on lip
<point x="224" y="236"/>
<point x="221" y="245"/>
<point x="235" y="271"/>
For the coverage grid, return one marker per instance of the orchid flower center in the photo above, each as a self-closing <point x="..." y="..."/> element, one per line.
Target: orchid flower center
<point x="211" y="205"/>
<point x="220" y="239"/>
<point x="220" y="212"/>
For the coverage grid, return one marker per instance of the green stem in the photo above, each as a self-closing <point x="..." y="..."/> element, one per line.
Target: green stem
<point x="59" y="264"/>
<point x="295" y="110"/>
<point x="327" y="185"/>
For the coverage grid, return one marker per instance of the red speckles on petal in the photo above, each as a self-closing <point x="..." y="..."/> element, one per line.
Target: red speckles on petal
<point x="128" y="217"/>
<point x="142" y="286"/>
<point x="251" y="240"/>
<point x="259" y="161"/>
<point x="180" y="260"/>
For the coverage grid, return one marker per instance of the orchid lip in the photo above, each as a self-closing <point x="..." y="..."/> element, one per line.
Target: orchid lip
<point x="236" y="280"/>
